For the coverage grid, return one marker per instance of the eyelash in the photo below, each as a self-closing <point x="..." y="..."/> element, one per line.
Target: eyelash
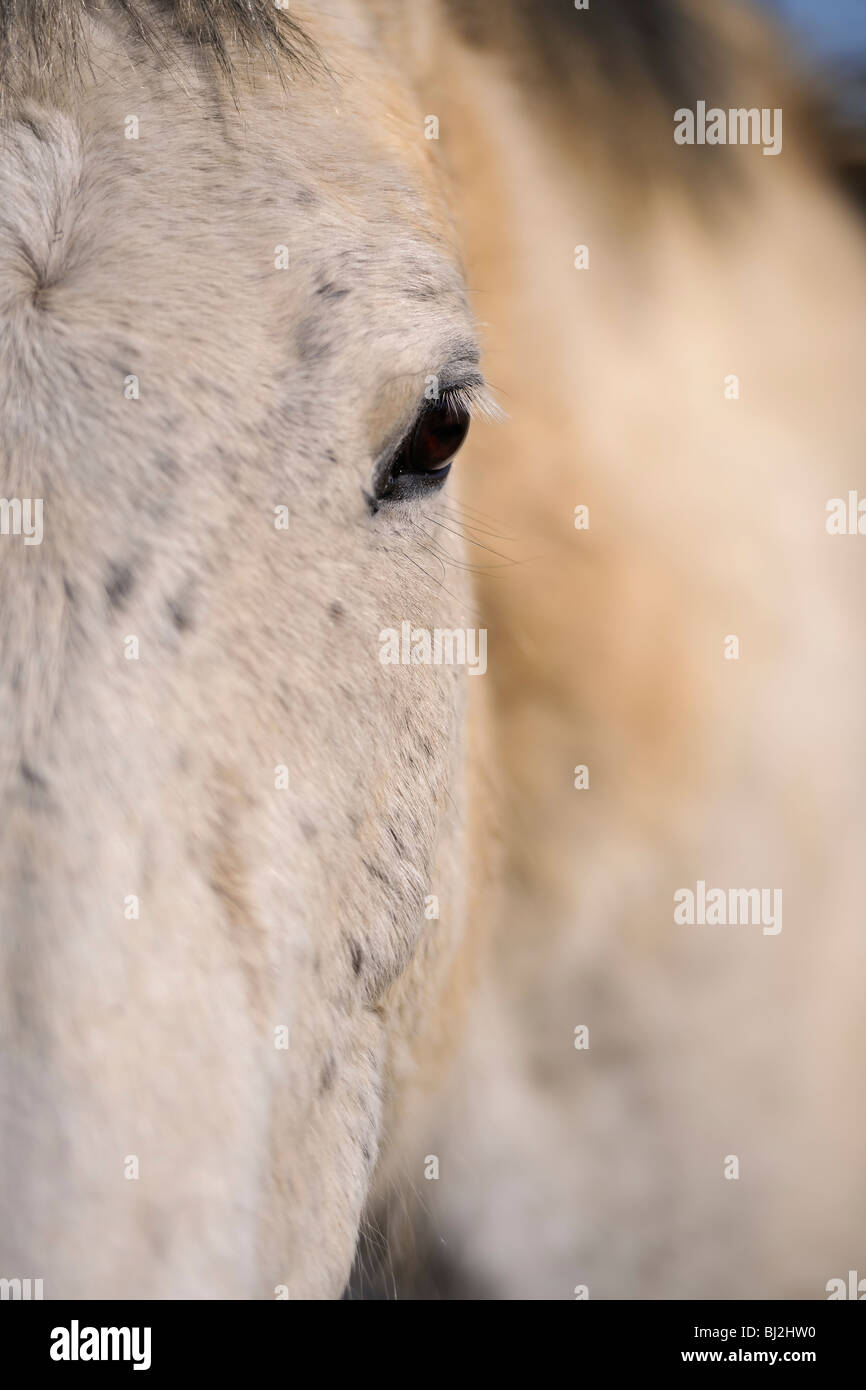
<point x="475" y="398"/>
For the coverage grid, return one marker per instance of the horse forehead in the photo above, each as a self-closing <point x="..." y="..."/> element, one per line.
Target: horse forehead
<point x="339" y="172"/>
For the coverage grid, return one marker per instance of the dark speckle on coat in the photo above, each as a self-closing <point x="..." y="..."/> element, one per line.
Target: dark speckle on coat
<point x="180" y="615"/>
<point x="329" y="1071"/>
<point x="312" y="341"/>
<point x="424" y="290"/>
<point x="167" y="466"/>
<point x="329" y="291"/>
<point x="374" y="871"/>
<point x="398" y="843"/>
<point x="32" y="777"/>
<point x="357" y="956"/>
<point x="35" y="128"/>
<point x="118" y="584"/>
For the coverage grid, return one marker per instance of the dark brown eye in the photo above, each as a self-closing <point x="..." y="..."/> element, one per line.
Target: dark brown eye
<point x="424" y="459"/>
<point x="436" y="439"/>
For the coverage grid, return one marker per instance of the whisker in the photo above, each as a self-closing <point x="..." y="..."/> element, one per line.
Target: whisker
<point x="468" y="567"/>
<point x="470" y="525"/>
<point x="475" y="512"/>
<point x="480" y="545"/>
<point x="441" y="589"/>
<point x="426" y="573"/>
<point x="464" y="600"/>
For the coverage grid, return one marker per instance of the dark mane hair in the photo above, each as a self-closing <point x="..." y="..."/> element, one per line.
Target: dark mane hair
<point x="43" y="39"/>
<point x="663" y="44"/>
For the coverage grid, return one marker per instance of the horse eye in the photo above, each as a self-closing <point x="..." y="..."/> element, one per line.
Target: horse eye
<point x="436" y="439"/>
<point x="424" y="459"/>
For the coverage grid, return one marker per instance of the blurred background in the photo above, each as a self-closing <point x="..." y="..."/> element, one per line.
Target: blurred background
<point x="830" y="37"/>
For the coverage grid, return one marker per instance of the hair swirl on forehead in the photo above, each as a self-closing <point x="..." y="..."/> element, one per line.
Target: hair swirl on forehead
<point x="43" y="40"/>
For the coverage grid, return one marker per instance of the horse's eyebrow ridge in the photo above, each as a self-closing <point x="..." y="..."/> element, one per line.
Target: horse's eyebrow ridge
<point x="461" y="356"/>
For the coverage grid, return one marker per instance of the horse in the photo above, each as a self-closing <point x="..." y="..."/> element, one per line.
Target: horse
<point x="336" y="960"/>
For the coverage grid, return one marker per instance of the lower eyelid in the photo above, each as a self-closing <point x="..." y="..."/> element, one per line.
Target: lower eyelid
<point x="407" y="486"/>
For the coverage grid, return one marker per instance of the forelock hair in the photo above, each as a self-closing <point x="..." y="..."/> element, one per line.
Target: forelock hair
<point x="45" y="40"/>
